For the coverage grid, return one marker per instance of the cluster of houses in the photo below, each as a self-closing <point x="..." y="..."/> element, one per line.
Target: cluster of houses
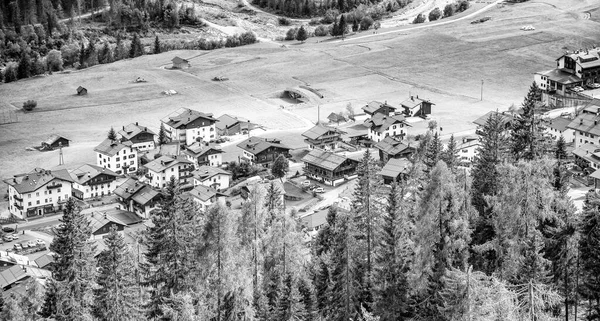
<point x="573" y="70"/>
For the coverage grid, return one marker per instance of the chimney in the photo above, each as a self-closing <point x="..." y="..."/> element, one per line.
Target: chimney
<point x="136" y="123"/>
<point x="412" y="98"/>
<point x="123" y="127"/>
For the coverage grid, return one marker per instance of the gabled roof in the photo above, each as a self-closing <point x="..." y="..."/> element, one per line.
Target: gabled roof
<point x="587" y="123"/>
<point x="560" y="76"/>
<point x="504" y="118"/>
<point x="336" y="117"/>
<point x="17" y="273"/>
<point x="111" y="147"/>
<point x="86" y="172"/>
<point x="53" y="138"/>
<point x="132" y="130"/>
<point x="30" y="182"/>
<point x="320" y="130"/>
<point x="98" y="220"/>
<point x="375" y="106"/>
<point x="414" y="102"/>
<point x="227" y="121"/>
<point x="207" y="172"/>
<point x="559" y="123"/>
<point x="125" y="217"/>
<point x="589" y="152"/>
<point x="178" y="60"/>
<point x="391" y="146"/>
<point x="198" y="149"/>
<point x="165" y="162"/>
<point x="129" y="188"/>
<point x="145" y="195"/>
<point x="395" y="167"/>
<point x="257" y="145"/>
<point x="592" y="107"/>
<point x="204" y="193"/>
<point x="184" y="116"/>
<point x="380" y="122"/>
<point x="44" y="260"/>
<point x="324" y="159"/>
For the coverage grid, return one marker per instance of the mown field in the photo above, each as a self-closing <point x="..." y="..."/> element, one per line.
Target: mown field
<point x="445" y="64"/>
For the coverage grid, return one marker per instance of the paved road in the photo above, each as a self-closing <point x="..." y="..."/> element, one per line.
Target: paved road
<point x="85" y="15"/>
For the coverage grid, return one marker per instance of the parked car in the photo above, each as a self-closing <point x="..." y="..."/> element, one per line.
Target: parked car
<point x="305" y="183"/>
<point x="594" y="85"/>
<point x="17" y="247"/>
<point x="319" y="190"/>
<point x="577" y="89"/>
<point x="8" y="229"/>
<point x="31" y="243"/>
<point x="15" y="236"/>
<point x="40" y="242"/>
<point x="7" y="238"/>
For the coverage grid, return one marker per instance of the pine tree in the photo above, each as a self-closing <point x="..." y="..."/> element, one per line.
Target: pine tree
<point x="525" y="133"/>
<point x="112" y="135"/>
<point x="302" y="34"/>
<point x="561" y="152"/>
<point x="273" y="204"/>
<point x="589" y="249"/>
<point x="342" y="25"/>
<point x="162" y="135"/>
<point x="49" y="306"/>
<point x="156" y="45"/>
<point x="280" y="167"/>
<point x="341" y="300"/>
<point x="24" y="69"/>
<point x="119" y="49"/>
<point x="450" y="155"/>
<point x="117" y="295"/>
<point x="433" y="153"/>
<point x="136" y="48"/>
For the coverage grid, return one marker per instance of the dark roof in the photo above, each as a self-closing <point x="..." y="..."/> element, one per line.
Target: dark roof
<point x="395" y="167"/>
<point x="178" y="60"/>
<point x="256" y="145"/>
<point x="44" y="260"/>
<point x="320" y="130"/>
<point x="374" y="106"/>
<point x="391" y="146"/>
<point x="226" y="121"/>
<point x="589" y="152"/>
<point x="53" y="138"/>
<point x="164" y="162"/>
<point x="336" y="117"/>
<point x="204" y="193"/>
<point x="206" y="172"/>
<point x="560" y="76"/>
<point x="17" y="273"/>
<point x="324" y="159"/>
<point x="199" y="149"/>
<point x="129" y="188"/>
<point x="587" y="123"/>
<point x="184" y="116"/>
<point x="145" y="195"/>
<point x="504" y="118"/>
<point x="414" y="102"/>
<point x="29" y="182"/>
<point x="125" y="217"/>
<point x="98" y="220"/>
<point x="593" y="106"/>
<point x="132" y="130"/>
<point x="86" y="172"/>
<point x="559" y="123"/>
<point x="380" y="122"/>
<point x="111" y="147"/>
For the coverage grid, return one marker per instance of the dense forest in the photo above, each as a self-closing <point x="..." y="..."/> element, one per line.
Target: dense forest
<point x="504" y="242"/>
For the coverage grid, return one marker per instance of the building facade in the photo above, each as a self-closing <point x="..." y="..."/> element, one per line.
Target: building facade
<point x="323" y="137"/>
<point x="214" y="177"/>
<point x="163" y="168"/>
<point x="188" y="126"/>
<point x="120" y="157"/>
<point x="92" y="181"/>
<point x="329" y="168"/>
<point x="203" y="154"/>
<point x="141" y="137"/>
<point x="263" y="151"/>
<point x="381" y="126"/>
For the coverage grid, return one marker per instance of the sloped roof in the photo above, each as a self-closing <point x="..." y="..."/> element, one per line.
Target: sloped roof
<point x="588" y="152"/>
<point x="414" y="102"/>
<point x="395" y="167"/>
<point x="29" y="182"/>
<point x="227" y="121"/>
<point x="559" y="123"/>
<point x="111" y="147"/>
<point x="324" y="159"/>
<point x="98" y="220"/>
<point x="587" y="123"/>
<point x="593" y="106"/>
<point x="44" y="260"/>
<point x="560" y="76"/>
<point x="86" y="172"/>
<point x="198" y="149"/>
<point x="380" y="122"/>
<point x="125" y="217"/>
<point x="336" y="117"/>
<point x="128" y="188"/>
<point x="207" y="172"/>
<point x="184" y="116"/>
<point x="256" y="145"/>
<point x="53" y="138"/>
<point x="504" y="118"/>
<point x="19" y="272"/>
<point x="391" y="146"/>
<point x="178" y="60"/>
<point x="319" y="130"/>
<point x="204" y="193"/>
<point x="374" y="106"/>
<point x="165" y="162"/>
<point x="132" y="130"/>
<point x="145" y="195"/>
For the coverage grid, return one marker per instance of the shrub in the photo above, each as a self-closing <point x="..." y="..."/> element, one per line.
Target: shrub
<point x="54" y="60"/>
<point x="420" y="18"/>
<point x="330" y="16"/>
<point x="291" y="34"/>
<point x="449" y="10"/>
<point x="283" y="21"/>
<point x="10" y="72"/>
<point x="366" y="23"/>
<point x="29" y="105"/>
<point x="321" y="31"/>
<point x="462" y="6"/>
<point x="302" y="34"/>
<point x="314" y="21"/>
<point x="435" y="14"/>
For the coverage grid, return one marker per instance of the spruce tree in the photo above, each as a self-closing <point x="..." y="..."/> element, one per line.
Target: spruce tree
<point x="273" y="205"/>
<point x="162" y="135"/>
<point x="302" y="34"/>
<point x="280" y="167"/>
<point x="561" y="151"/>
<point x="112" y="135"/>
<point x="450" y="154"/>
<point x="525" y="132"/>
<point x="24" y="69"/>
<point x="589" y="249"/>
<point x="119" y="48"/>
<point x="156" y="45"/>
<point x="342" y="26"/>
<point x="341" y="299"/>
<point x="117" y="295"/>
<point x="433" y="153"/>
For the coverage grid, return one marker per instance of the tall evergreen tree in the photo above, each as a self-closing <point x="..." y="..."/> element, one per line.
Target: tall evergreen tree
<point x="589" y="248"/>
<point x="280" y="167"/>
<point x="117" y="295"/>
<point x="450" y="154"/>
<point x="342" y="305"/>
<point x="119" y="48"/>
<point x="162" y="135"/>
<point x="156" y="45"/>
<point x="112" y="135"/>
<point x="561" y="151"/>
<point x="24" y="69"/>
<point x="525" y="132"/>
<point x="434" y="152"/>
<point x="343" y="25"/>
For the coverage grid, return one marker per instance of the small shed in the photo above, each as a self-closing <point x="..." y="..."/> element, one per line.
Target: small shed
<point x="81" y="91"/>
<point x="55" y="141"/>
<point x="336" y="118"/>
<point x="180" y="63"/>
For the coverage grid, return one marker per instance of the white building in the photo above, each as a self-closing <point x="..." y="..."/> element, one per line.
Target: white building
<point x="204" y="196"/>
<point x="92" y="181"/>
<point x="140" y="137"/>
<point x="163" y="168"/>
<point x="137" y="197"/>
<point x="119" y="157"/>
<point x="559" y="127"/>
<point x="214" y="177"/>
<point x="204" y="154"/>
<point x="38" y="193"/>
<point x="380" y="126"/>
<point x="468" y="149"/>
<point x="586" y="128"/>
<point x="189" y="126"/>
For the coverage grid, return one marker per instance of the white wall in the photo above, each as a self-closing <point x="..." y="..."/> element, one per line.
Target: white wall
<point x="127" y="155"/>
<point x="42" y="197"/>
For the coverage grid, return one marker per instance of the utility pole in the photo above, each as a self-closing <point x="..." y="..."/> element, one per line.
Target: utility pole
<point x="61" y="160"/>
<point x="318" y="114"/>
<point x="481" y="89"/>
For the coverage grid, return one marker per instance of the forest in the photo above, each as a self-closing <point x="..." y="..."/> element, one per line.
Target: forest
<point x="503" y="242"/>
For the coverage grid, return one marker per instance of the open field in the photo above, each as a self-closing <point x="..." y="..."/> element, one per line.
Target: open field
<point x="445" y="64"/>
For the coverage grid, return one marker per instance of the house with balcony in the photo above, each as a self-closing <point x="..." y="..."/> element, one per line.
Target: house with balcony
<point x="375" y="107"/>
<point x="263" y="151"/>
<point x="188" y="126"/>
<point x="203" y="153"/>
<point x="92" y="181"/>
<point x="141" y="137"/>
<point x="323" y="137"/>
<point x="557" y="127"/>
<point x="586" y="129"/>
<point x="506" y="120"/>
<point x="214" y="177"/>
<point x="416" y="107"/>
<point x="204" y="196"/>
<point x="329" y="168"/>
<point x="468" y="149"/>
<point x="163" y="168"/>
<point x="120" y="157"/>
<point x="137" y="197"/>
<point x="381" y="126"/>
<point x="395" y="170"/>
<point x="587" y="156"/>
<point x="577" y="68"/>
<point x="101" y="223"/>
<point x="38" y="192"/>
<point x="391" y="147"/>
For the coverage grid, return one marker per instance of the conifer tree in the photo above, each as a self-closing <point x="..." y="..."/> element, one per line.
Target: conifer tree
<point x="561" y="152"/>
<point x="162" y="135"/>
<point x="156" y="45"/>
<point x="273" y="204"/>
<point x="136" y="48"/>
<point x="24" y="69"/>
<point x="434" y="152"/>
<point x="280" y="167"/>
<point x="112" y="135"/>
<point x="341" y="295"/>
<point x="342" y="26"/>
<point x="450" y="155"/>
<point x="12" y="309"/>
<point x="302" y="34"/>
<point x="33" y="299"/>
<point x="525" y="133"/>
<point x="119" y="49"/>
<point x="589" y="248"/>
<point x="117" y="296"/>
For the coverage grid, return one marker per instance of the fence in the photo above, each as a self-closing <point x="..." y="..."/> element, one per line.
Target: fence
<point x="559" y="101"/>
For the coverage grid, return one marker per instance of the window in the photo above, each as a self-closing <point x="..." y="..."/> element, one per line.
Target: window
<point x="131" y="162"/>
<point x="37" y="202"/>
<point x="29" y="195"/>
<point x="118" y="159"/>
<point x="131" y="156"/>
<point x="59" y="198"/>
<point x="50" y="200"/>
<point x="172" y="169"/>
<point x="58" y="190"/>
<point x="45" y="200"/>
<point x="50" y="192"/>
<point x="118" y="165"/>
<point x="28" y="203"/>
<point x="45" y="192"/>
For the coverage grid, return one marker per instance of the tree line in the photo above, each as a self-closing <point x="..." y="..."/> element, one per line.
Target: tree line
<point x="503" y="243"/>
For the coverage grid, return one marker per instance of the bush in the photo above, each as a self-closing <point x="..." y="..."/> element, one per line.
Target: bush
<point x="321" y="31"/>
<point x="449" y="10"/>
<point x="291" y="34"/>
<point x="420" y="18"/>
<point x="283" y="21"/>
<point x="314" y="22"/>
<point x="330" y="16"/>
<point x="435" y="14"/>
<point x="10" y="72"/>
<point x="29" y="105"/>
<point x="302" y="34"/>
<point x="366" y="23"/>
<point x="54" y="60"/>
<point x="462" y="6"/>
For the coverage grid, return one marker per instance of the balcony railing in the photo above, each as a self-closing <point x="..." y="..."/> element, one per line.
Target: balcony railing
<point x="18" y="206"/>
<point x="54" y="186"/>
<point x="184" y="176"/>
<point x="18" y="198"/>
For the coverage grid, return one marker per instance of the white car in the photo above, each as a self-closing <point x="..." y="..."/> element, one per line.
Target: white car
<point x="594" y="85"/>
<point x="577" y="89"/>
<point x="40" y="242"/>
<point x="319" y="190"/>
<point x="305" y="183"/>
<point x="528" y="28"/>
